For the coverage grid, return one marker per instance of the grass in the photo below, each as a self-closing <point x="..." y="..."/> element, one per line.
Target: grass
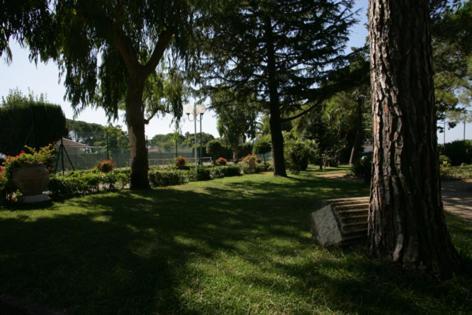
<point x="457" y="172"/>
<point x="228" y="246"/>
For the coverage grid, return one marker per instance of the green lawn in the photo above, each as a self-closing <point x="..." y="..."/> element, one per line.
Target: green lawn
<point x="229" y="246"/>
<point x="457" y="172"/>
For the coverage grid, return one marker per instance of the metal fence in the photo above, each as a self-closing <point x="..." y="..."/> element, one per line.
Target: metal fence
<point x="88" y="159"/>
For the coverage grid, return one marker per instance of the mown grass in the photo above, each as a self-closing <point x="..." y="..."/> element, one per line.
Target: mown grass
<point x="457" y="172"/>
<point x="228" y="246"/>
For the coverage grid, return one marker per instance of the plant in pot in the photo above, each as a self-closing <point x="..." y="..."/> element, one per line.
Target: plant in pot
<point x="28" y="171"/>
<point x="3" y="184"/>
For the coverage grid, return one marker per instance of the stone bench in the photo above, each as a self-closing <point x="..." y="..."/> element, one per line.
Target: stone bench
<point x="341" y="221"/>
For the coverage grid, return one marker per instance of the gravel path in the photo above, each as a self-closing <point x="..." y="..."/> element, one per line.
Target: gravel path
<point x="457" y="198"/>
<point x="457" y="194"/>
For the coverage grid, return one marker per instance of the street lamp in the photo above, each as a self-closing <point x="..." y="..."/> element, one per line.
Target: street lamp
<point x="197" y="112"/>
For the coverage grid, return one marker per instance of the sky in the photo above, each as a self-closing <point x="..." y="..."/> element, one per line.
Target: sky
<point x="43" y="78"/>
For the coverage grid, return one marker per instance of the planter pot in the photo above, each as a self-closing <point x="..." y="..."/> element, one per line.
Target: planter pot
<point x="32" y="181"/>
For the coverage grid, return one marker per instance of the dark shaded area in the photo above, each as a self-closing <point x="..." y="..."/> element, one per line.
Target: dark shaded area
<point x="29" y="123"/>
<point x="129" y="253"/>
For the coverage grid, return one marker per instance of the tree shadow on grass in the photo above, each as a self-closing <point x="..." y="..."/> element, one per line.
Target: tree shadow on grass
<point x="131" y="253"/>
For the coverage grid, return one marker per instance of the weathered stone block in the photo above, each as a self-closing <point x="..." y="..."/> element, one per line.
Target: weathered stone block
<point x="341" y="221"/>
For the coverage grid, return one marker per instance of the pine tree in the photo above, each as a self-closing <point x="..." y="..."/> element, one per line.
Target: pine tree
<point x="406" y="217"/>
<point x="278" y="50"/>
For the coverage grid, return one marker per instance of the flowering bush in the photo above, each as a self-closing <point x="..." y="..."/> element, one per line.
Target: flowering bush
<point x="180" y="162"/>
<point x="105" y="166"/>
<point x="221" y="161"/>
<point x="43" y="156"/>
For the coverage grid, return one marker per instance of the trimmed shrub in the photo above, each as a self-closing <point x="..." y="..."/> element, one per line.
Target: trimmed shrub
<point x="298" y="154"/>
<point x="263" y="167"/>
<point x="231" y="170"/>
<point x="444" y="161"/>
<point x="216" y="149"/>
<point x="80" y="183"/>
<point x="29" y="122"/>
<point x="161" y="178"/>
<point x="216" y="172"/>
<point x="105" y="166"/>
<point x="201" y="173"/>
<point x="75" y="184"/>
<point x="180" y="163"/>
<point x="262" y="147"/>
<point x="225" y="171"/>
<point x="249" y="164"/>
<point x="459" y="152"/>
<point x="67" y="186"/>
<point x="221" y="161"/>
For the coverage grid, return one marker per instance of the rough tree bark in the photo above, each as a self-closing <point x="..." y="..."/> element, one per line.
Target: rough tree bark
<point x="136" y="133"/>
<point x="235" y="150"/>
<point x="275" y="122"/>
<point x="277" y="141"/>
<point x="406" y="218"/>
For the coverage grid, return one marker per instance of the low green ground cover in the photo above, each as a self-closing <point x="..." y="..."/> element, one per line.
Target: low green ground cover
<point x="234" y="245"/>
<point x="457" y="172"/>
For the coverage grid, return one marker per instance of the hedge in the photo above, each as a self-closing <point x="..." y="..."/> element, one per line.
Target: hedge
<point x="79" y="183"/>
<point x="458" y="152"/>
<point x="86" y="182"/>
<point x="225" y="171"/>
<point x="34" y="124"/>
<point x="165" y="177"/>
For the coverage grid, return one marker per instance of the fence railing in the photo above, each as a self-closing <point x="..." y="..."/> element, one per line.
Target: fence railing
<point x="88" y="160"/>
<point x="79" y="159"/>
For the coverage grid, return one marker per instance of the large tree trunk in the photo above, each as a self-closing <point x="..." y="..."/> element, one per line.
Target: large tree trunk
<point x="235" y="150"/>
<point x="275" y="122"/>
<point x="406" y="218"/>
<point x="278" y="159"/>
<point x="135" y="120"/>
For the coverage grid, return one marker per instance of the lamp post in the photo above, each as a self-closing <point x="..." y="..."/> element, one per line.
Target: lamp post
<point x="197" y="112"/>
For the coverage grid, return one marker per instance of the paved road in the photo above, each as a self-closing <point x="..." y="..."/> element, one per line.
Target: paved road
<point x="457" y="198"/>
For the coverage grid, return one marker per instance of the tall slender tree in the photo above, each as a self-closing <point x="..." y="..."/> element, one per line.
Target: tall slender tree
<point x="406" y="218"/>
<point x="236" y="117"/>
<point x="277" y="50"/>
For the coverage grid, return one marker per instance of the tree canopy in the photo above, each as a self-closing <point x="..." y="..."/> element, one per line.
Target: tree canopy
<point x="92" y="134"/>
<point x="108" y="52"/>
<point x="236" y="117"/>
<point x="280" y="51"/>
<point x="452" y="56"/>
